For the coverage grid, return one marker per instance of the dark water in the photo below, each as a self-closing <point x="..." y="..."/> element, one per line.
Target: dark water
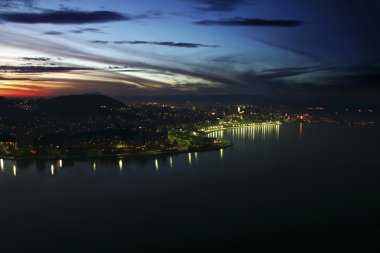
<point x="313" y="189"/>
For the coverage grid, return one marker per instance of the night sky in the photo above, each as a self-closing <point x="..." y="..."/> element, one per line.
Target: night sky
<point x="148" y="47"/>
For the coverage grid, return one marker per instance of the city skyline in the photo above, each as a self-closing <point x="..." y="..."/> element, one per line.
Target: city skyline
<point x="271" y="48"/>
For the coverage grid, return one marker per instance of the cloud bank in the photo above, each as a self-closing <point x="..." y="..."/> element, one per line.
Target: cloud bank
<point x="253" y="22"/>
<point x="37" y="69"/>
<point x="166" y="43"/>
<point x="63" y="17"/>
<point x="218" y="5"/>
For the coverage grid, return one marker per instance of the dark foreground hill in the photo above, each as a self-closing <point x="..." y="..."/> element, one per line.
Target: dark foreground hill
<point x="76" y="105"/>
<point x="64" y="106"/>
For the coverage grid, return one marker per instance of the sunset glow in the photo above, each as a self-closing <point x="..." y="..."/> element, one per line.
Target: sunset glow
<point x="218" y="47"/>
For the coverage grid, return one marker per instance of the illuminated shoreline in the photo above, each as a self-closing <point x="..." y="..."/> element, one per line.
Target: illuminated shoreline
<point x="205" y="131"/>
<point x="150" y="153"/>
<point x="212" y="129"/>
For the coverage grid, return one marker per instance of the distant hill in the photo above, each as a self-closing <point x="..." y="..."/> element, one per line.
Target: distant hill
<point x="4" y="103"/>
<point x="299" y="101"/>
<point x="10" y="108"/>
<point x="201" y="99"/>
<point x="77" y="104"/>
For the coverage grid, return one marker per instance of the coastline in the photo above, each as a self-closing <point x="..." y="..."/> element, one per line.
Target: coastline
<point x="135" y="154"/>
<point x="225" y="144"/>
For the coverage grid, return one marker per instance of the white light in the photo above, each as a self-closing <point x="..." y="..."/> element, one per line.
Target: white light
<point x="171" y="162"/>
<point x="156" y="164"/>
<point x="2" y="164"/>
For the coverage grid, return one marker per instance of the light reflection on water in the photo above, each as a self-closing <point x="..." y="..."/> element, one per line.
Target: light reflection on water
<point x="14" y="170"/>
<point x="121" y="165"/>
<point x="171" y="162"/>
<point x="156" y="165"/>
<point x="250" y="134"/>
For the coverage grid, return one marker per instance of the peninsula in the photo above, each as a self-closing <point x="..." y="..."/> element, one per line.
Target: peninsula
<point x="100" y="126"/>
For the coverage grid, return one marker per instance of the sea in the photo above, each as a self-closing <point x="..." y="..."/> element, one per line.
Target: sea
<point x="300" y="187"/>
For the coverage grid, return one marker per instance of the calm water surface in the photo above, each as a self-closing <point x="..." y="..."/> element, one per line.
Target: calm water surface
<point x="308" y="187"/>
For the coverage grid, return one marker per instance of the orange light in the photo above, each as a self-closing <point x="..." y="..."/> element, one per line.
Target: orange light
<point x="23" y="93"/>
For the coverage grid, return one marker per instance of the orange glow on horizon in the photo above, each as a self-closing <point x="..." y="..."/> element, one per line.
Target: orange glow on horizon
<point x="24" y="93"/>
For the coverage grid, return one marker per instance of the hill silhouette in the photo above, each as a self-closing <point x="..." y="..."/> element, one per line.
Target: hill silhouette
<point x="74" y="105"/>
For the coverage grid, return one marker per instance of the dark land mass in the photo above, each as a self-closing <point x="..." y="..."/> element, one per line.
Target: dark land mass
<point x="78" y="105"/>
<point x="94" y="125"/>
<point x="98" y="126"/>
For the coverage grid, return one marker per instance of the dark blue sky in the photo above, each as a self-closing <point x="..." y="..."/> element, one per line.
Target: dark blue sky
<point x="119" y="47"/>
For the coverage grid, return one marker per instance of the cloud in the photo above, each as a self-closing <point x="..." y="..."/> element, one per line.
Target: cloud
<point x="327" y="81"/>
<point x="219" y="5"/>
<point x="297" y="51"/>
<point x="37" y="69"/>
<point x="147" y="15"/>
<point x="166" y="43"/>
<point x="36" y="59"/>
<point x="64" y="17"/>
<point x="53" y="33"/>
<point x="14" y="79"/>
<point x="265" y="80"/>
<point x="253" y="22"/>
<point x="5" y="4"/>
<point x="364" y="77"/>
<point x="99" y="42"/>
<point x="270" y="74"/>
<point x="229" y="78"/>
<point x="84" y="30"/>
